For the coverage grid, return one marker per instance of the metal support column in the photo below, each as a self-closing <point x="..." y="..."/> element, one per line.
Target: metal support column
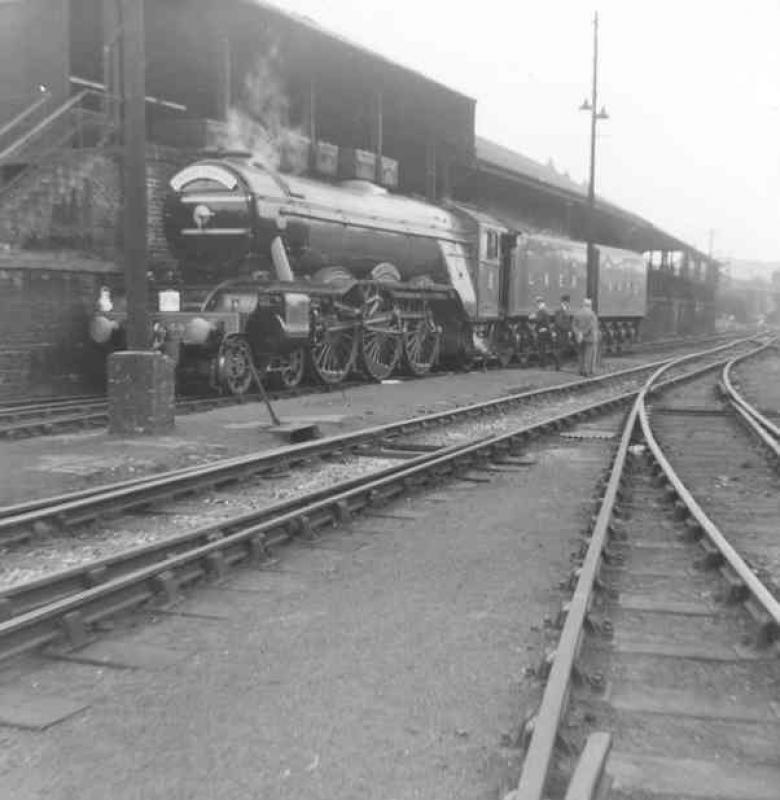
<point x="134" y="173"/>
<point x="430" y="169"/>
<point x="377" y="133"/>
<point x="112" y="67"/>
<point x="310" y="123"/>
<point x="225" y="76"/>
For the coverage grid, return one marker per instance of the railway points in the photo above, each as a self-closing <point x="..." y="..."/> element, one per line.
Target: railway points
<point x="644" y="681"/>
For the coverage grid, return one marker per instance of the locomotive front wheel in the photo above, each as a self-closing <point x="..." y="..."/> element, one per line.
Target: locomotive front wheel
<point x="332" y="353"/>
<point x="420" y="347"/>
<point x="235" y="370"/>
<point x="292" y="369"/>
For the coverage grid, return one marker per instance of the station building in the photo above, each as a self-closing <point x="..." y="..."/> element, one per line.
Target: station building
<point x="328" y="106"/>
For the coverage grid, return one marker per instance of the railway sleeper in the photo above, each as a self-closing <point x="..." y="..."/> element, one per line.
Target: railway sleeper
<point x="342" y="512"/>
<point x="216" y="566"/>
<point x="95" y="576"/>
<point x="258" y="551"/>
<point x="166" y="586"/>
<point x="736" y="591"/>
<point x="712" y="558"/>
<point x="76" y="629"/>
<point x="768" y="631"/>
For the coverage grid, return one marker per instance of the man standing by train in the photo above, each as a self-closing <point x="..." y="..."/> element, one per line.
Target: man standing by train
<point x="542" y="321"/>
<point x="586" y="333"/>
<point x="563" y="329"/>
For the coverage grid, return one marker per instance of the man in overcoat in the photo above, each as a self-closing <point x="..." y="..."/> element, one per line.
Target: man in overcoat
<point x="586" y="333"/>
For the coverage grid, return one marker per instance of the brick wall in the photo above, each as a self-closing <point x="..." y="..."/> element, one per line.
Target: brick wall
<point x="46" y="300"/>
<point x="73" y="200"/>
<point x="60" y="240"/>
<point x="68" y="201"/>
<point x="162" y="163"/>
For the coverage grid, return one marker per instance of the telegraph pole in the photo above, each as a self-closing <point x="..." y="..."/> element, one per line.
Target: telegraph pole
<point x="141" y="381"/>
<point x="134" y="173"/>
<point x="593" y="261"/>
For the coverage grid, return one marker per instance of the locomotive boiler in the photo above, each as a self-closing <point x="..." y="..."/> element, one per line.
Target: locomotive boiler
<point x="298" y="275"/>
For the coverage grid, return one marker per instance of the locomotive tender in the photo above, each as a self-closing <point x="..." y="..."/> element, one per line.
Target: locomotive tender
<point x="293" y="273"/>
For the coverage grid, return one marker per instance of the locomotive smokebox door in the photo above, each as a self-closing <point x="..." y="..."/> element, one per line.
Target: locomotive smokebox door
<point x="208" y="217"/>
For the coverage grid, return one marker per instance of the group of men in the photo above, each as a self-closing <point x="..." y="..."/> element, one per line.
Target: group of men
<point x="554" y="330"/>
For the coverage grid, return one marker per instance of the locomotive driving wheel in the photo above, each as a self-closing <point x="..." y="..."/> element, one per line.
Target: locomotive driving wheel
<point x="291" y="369"/>
<point x="380" y="335"/>
<point x="421" y="339"/>
<point x="333" y="350"/>
<point x="235" y="365"/>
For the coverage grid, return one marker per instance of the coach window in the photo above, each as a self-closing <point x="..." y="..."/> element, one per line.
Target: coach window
<point x="491" y="245"/>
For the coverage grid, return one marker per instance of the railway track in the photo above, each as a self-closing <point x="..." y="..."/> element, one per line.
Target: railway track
<point x="666" y="673"/>
<point x="71" y="602"/>
<point x="38" y="417"/>
<point x="763" y="423"/>
<point x="24" y="521"/>
<point x="59" y="415"/>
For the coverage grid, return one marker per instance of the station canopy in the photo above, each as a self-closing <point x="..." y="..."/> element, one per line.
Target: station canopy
<point x="501" y="162"/>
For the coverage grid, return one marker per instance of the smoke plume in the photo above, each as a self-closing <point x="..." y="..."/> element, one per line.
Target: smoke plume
<point x="259" y="120"/>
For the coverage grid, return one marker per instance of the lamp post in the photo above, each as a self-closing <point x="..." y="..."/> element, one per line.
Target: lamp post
<point x="592" y="286"/>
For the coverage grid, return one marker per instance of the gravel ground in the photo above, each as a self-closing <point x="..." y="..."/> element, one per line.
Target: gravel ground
<point x="386" y="661"/>
<point x="55" y="552"/>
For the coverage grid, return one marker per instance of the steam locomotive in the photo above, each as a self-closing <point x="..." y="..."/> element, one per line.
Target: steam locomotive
<point x="294" y="275"/>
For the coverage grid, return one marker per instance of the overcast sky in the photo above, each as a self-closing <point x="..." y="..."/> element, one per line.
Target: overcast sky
<point x="692" y="89"/>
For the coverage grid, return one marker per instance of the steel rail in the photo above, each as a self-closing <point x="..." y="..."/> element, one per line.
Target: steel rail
<point x="60" y="595"/>
<point x="42" y="418"/>
<point x="750" y="580"/>
<point x="64" y="414"/>
<point x="54" y="416"/>
<point x="767" y="432"/>
<point x="21" y="521"/>
<point x="543" y="728"/>
<point x="248" y="534"/>
<point x="32" y="404"/>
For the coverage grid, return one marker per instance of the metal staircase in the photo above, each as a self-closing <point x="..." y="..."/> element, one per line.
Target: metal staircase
<point x="43" y="129"/>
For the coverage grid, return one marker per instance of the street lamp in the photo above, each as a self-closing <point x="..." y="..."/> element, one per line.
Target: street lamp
<point x="592" y="284"/>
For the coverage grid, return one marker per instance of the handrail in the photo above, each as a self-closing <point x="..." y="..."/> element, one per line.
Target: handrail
<point x="101" y="87"/>
<point x="40" y="158"/>
<point x="45" y="123"/>
<point x="22" y="115"/>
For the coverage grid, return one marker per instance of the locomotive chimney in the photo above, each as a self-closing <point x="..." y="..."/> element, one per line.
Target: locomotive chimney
<point x="281" y="263"/>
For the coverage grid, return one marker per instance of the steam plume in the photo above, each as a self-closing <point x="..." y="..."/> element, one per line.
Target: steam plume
<point x="259" y="121"/>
